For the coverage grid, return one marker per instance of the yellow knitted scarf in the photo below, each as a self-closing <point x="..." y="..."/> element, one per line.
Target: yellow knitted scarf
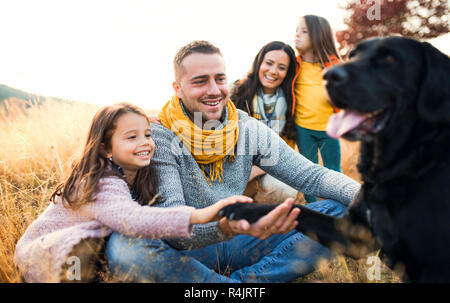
<point x="209" y="147"/>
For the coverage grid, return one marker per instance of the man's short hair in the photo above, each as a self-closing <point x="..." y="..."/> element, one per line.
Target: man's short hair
<point x="197" y="46"/>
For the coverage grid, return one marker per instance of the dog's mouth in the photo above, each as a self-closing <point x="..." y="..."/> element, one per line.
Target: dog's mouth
<point x="355" y="125"/>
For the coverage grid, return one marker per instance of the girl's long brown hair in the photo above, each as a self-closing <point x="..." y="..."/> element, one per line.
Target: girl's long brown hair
<point x="87" y="171"/>
<point x="322" y="38"/>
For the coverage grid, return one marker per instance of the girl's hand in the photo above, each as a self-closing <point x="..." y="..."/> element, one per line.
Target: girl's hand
<point x="211" y="213"/>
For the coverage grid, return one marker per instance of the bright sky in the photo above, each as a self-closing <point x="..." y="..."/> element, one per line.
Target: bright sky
<point x="107" y="51"/>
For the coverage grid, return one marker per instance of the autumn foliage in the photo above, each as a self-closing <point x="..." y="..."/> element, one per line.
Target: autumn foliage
<point x="418" y="19"/>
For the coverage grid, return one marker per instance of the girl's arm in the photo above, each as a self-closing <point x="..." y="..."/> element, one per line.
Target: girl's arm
<point x="115" y="208"/>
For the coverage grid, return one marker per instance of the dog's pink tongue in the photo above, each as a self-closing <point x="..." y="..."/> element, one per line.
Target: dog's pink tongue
<point x="343" y="122"/>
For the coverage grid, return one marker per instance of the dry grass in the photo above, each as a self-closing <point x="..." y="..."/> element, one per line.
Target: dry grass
<point x="38" y="147"/>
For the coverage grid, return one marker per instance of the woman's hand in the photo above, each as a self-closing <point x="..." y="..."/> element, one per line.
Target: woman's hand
<point x="211" y="213"/>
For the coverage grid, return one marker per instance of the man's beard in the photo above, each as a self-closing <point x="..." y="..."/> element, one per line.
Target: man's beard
<point x="193" y="116"/>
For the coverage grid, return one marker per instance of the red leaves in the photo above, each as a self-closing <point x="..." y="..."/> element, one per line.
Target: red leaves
<point x="418" y="19"/>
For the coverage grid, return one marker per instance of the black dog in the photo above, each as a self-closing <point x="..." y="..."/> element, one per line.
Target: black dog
<point x="395" y="98"/>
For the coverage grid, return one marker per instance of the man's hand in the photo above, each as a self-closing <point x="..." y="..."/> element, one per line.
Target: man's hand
<point x="280" y="220"/>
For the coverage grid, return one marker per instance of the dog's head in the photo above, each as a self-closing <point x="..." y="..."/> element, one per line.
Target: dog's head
<point x="384" y="80"/>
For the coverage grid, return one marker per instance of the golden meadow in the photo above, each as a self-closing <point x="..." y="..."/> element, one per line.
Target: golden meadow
<point x="38" y="146"/>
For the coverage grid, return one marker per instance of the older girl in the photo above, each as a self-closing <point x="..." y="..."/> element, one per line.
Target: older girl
<point x="316" y="49"/>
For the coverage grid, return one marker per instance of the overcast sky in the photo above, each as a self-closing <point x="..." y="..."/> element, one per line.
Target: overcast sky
<point x="121" y="50"/>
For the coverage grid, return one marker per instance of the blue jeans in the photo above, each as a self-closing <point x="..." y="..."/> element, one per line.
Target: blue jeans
<point x="280" y="258"/>
<point x="310" y="142"/>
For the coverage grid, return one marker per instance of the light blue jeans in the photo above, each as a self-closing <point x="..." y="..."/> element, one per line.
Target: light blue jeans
<point x="280" y="258"/>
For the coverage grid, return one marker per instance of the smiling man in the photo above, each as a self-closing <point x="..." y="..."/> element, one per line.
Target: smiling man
<point x="201" y="83"/>
<point x="205" y="150"/>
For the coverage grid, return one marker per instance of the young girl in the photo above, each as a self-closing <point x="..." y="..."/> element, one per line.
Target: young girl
<point x="266" y="93"/>
<point x="316" y="48"/>
<point x="109" y="189"/>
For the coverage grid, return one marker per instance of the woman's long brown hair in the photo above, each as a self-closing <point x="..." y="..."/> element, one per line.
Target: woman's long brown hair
<point x="87" y="171"/>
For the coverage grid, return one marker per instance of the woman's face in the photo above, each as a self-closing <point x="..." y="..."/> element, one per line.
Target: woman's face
<point x="273" y="70"/>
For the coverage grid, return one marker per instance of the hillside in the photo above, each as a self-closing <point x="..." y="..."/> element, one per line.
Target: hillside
<point x="7" y="92"/>
<point x="22" y="98"/>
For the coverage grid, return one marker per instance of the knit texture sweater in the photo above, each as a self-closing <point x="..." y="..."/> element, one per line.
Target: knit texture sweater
<point x="48" y="241"/>
<point x="182" y="182"/>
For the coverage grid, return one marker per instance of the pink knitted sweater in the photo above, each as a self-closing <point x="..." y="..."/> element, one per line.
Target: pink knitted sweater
<point x="48" y="241"/>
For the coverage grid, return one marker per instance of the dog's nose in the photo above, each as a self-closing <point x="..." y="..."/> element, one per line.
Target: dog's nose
<point x="336" y="76"/>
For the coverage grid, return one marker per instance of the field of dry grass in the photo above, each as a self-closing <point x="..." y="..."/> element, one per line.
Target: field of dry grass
<point x="38" y="147"/>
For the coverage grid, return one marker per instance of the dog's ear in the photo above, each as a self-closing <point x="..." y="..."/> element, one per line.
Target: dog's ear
<point x="433" y="103"/>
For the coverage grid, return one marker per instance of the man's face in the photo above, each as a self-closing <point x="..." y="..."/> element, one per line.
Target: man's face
<point x="202" y="85"/>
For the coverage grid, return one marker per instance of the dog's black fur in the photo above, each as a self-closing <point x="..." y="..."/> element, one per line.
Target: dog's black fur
<point x="404" y="202"/>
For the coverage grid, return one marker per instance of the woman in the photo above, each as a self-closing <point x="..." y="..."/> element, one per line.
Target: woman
<point x="266" y="93"/>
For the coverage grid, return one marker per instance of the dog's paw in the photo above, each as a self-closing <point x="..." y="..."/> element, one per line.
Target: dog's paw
<point x="247" y="211"/>
<point x="236" y="211"/>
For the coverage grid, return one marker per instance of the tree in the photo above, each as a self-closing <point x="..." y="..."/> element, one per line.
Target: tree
<point x="418" y="19"/>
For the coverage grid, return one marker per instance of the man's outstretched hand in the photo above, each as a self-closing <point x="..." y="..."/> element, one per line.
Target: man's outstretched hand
<point x="281" y="220"/>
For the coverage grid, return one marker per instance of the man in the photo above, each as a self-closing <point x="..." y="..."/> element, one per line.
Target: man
<point x="205" y="150"/>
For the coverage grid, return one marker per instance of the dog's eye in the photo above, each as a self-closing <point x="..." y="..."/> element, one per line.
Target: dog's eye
<point x="389" y="59"/>
<point x="385" y="58"/>
<point x="351" y="54"/>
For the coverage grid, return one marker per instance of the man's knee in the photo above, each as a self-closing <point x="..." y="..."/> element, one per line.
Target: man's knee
<point x="127" y="255"/>
<point x="330" y="207"/>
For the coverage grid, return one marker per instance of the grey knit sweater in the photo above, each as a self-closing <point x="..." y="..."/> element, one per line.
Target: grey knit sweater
<point x="182" y="182"/>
